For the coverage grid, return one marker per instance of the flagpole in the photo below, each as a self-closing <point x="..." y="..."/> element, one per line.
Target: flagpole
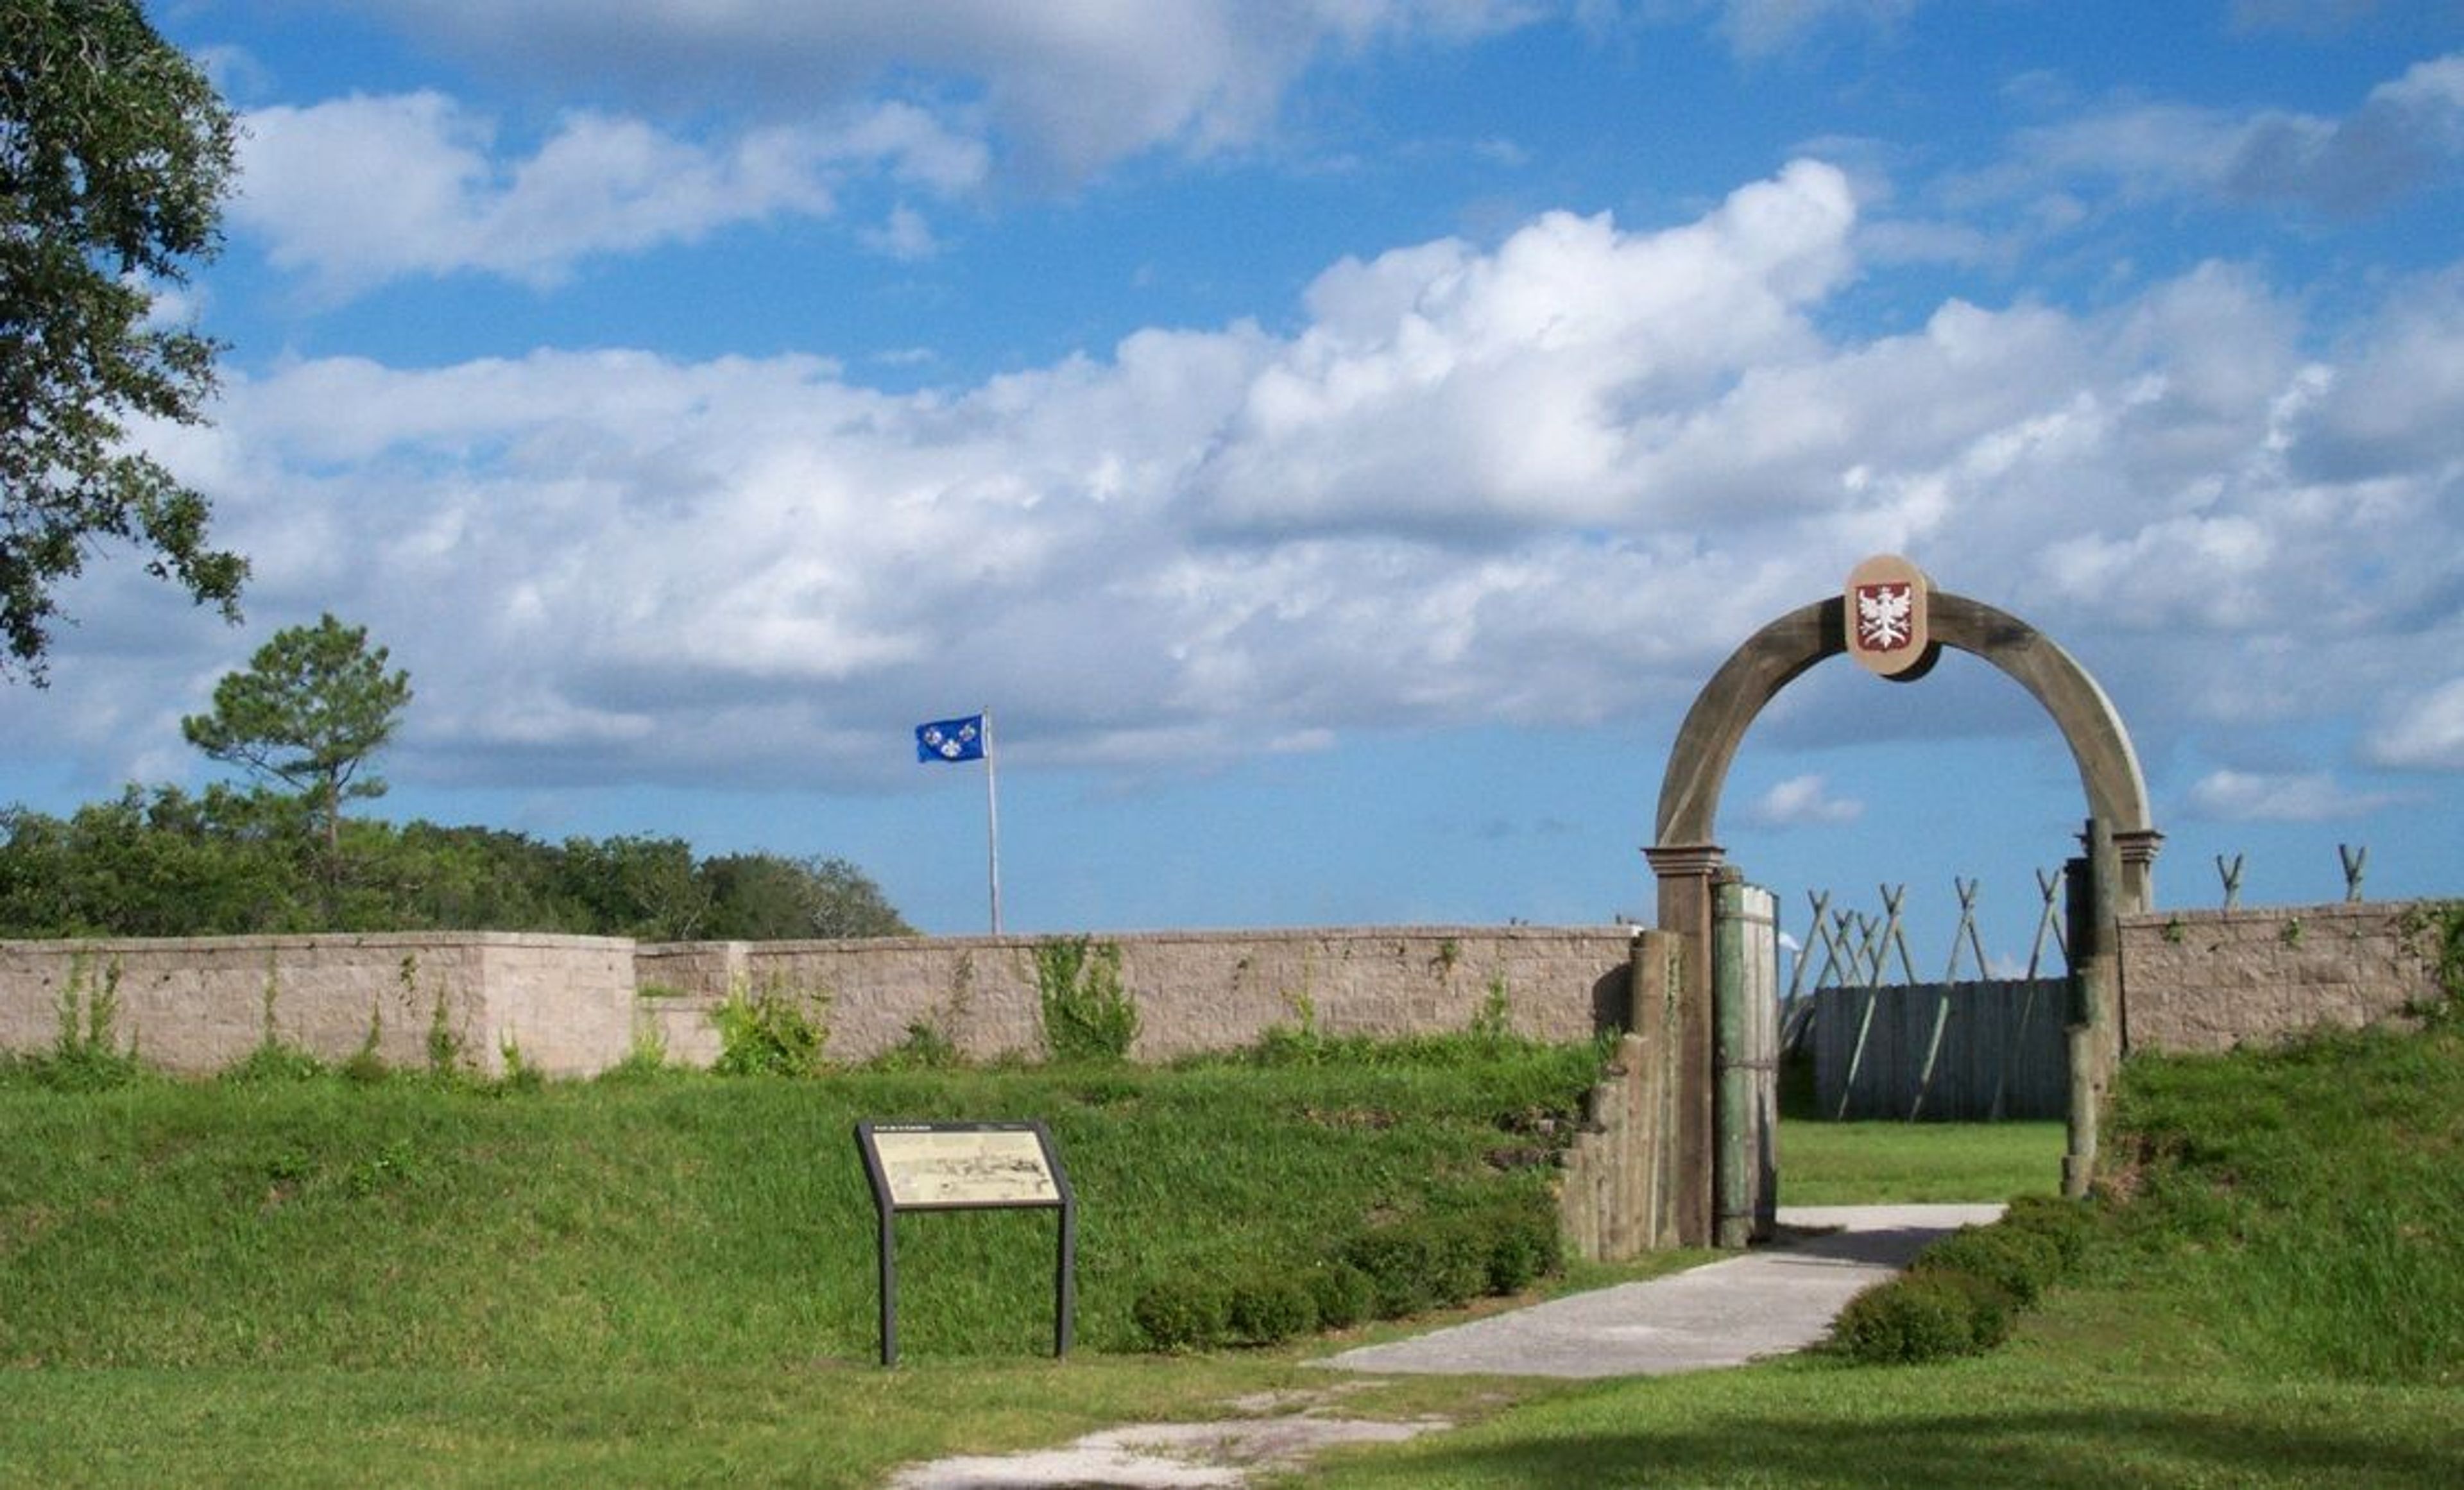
<point x="992" y="820"/>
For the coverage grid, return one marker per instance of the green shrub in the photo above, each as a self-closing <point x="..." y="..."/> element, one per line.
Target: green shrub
<point x="1523" y="1247"/>
<point x="1458" y="1257"/>
<point x="2066" y="1225"/>
<point x="1912" y="1318"/>
<point x="2019" y="1263"/>
<point x="1991" y="1308"/>
<point x="1270" y="1308"/>
<point x="768" y="1033"/>
<point x="1396" y="1260"/>
<point x="1182" y="1314"/>
<point x="1343" y="1294"/>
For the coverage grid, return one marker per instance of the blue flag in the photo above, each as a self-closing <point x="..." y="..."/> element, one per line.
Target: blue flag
<point x="951" y="740"/>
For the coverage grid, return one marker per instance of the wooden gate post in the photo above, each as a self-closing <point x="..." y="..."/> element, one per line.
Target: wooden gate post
<point x="1687" y="874"/>
<point x="2091" y="883"/>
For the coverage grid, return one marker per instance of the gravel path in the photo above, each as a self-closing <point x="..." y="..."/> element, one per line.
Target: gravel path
<point x="1765" y="1302"/>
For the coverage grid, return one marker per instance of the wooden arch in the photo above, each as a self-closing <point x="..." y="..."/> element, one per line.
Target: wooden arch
<point x="1773" y="657"/>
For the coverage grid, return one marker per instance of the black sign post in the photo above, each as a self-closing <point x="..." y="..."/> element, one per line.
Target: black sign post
<point x="967" y="1167"/>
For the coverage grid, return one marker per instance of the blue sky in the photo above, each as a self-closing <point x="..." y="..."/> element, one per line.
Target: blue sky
<point x="1336" y="438"/>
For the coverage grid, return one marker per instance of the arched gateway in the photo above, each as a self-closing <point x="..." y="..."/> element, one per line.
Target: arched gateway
<point x="1900" y="624"/>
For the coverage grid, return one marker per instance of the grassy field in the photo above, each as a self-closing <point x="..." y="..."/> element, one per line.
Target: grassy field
<point x="1853" y="1163"/>
<point x="2277" y="1300"/>
<point x="669" y="1281"/>
<point x="688" y="1219"/>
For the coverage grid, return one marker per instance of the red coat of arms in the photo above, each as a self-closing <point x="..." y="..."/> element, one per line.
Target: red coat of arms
<point x="1886" y="616"/>
<point x="1887" y="628"/>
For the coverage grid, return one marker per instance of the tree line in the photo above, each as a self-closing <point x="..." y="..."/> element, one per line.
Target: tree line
<point x="304" y="720"/>
<point x="233" y="861"/>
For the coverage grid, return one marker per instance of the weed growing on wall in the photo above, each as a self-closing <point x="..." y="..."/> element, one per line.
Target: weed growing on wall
<point x="446" y="1047"/>
<point x="366" y="1066"/>
<point x="1298" y="1044"/>
<point x="647" y="1054"/>
<point x="274" y="1058"/>
<point x="927" y="1047"/>
<point x="931" y="1043"/>
<point x="1088" y="1014"/>
<point x="87" y="1056"/>
<point x="2435" y="930"/>
<point x="1493" y="1020"/>
<point x="770" y="1031"/>
<point x="520" y="1074"/>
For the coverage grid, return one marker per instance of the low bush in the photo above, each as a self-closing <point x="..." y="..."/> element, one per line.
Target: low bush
<point x="1448" y="1259"/>
<point x="1965" y="1292"/>
<point x="1182" y="1314"/>
<point x="2066" y="1225"/>
<point x="1396" y="1259"/>
<point x="1089" y="1014"/>
<point x="2019" y="1263"/>
<point x="1913" y="1318"/>
<point x="1458" y="1250"/>
<point x="1342" y="1294"/>
<point x="1524" y="1247"/>
<point x="768" y="1031"/>
<point x="1270" y="1308"/>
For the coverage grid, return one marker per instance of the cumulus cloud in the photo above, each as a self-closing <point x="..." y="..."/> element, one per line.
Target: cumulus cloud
<point x="1439" y="387"/>
<point x="1803" y="801"/>
<point x="2280" y="797"/>
<point x="2404" y="132"/>
<point x="1549" y="482"/>
<point x="355" y="191"/>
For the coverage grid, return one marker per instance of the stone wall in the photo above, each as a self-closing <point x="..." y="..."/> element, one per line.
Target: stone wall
<point x="198" y="1004"/>
<point x="2190" y="980"/>
<point x="574" y="1005"/>
<point x="1194" y="991"/>
<point x="2199" y="980"/>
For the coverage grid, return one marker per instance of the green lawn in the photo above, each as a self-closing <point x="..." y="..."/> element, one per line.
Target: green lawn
<point x="669" y="1282"/>
<point x="1858" y="1163"/>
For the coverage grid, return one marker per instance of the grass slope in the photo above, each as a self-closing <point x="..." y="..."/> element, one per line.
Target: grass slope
<point x="670" y="1282"/>
<point x="2277" y="1299"/>
<point x="686" y="1219"/>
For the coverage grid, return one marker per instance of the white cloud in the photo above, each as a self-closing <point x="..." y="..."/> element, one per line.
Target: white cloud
<point x="2280" y="797"/>
<point x="1803" y="801"/>
<point x="1439" y="387"/>
<point x="1077" y="84"/>
<point x="1549" y="483"/>
<point x="2425" y="732"/>
<point x="356" y="191"/>
<point x="904" y="235"/>
<point x="2404" y="133"/>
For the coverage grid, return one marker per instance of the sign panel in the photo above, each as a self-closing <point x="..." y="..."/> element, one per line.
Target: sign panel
<point x="967" y="1167"/>
<point x="1887" y="629"/>
<point x="929" y="1165"/>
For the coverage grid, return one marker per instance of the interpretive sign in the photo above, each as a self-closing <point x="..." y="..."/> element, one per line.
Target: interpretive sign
<point x="966" y="1167"/>
<point x="940" y="1165"/>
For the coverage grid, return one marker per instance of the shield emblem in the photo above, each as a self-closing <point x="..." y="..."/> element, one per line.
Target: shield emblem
<point x="1885" y="621"/>
<point x="1886" y="616"/>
